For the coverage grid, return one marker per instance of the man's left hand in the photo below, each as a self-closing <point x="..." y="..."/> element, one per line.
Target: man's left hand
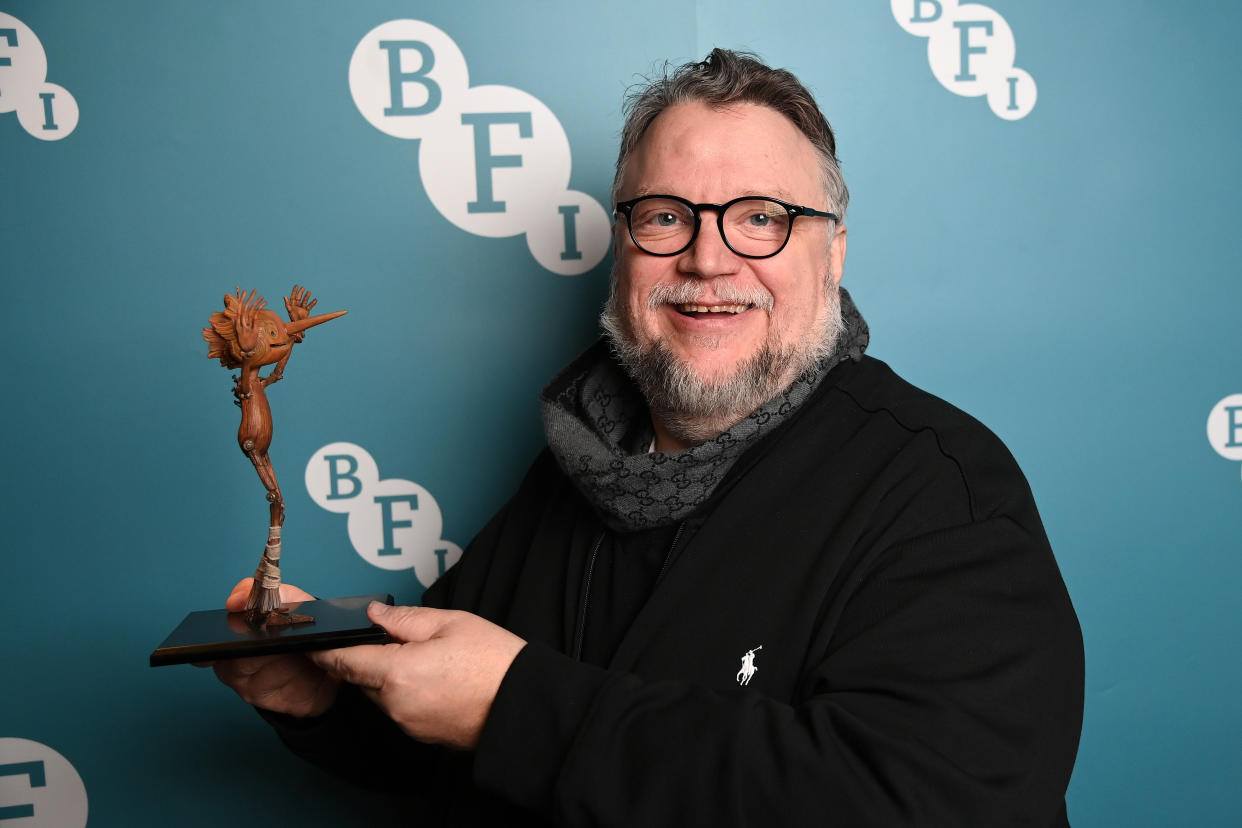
<point x="438" y="682"/>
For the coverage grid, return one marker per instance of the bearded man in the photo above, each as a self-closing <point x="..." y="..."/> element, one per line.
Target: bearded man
<point x="755" y="579"/>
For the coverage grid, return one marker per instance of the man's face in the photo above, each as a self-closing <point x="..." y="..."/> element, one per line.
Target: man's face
<point x="771" y="315"/>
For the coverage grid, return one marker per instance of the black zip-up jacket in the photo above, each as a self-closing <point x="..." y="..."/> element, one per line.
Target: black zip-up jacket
<point x="864" y="626"/>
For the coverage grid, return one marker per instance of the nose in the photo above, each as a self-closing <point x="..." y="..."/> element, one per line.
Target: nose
<point x="709" y="256"/>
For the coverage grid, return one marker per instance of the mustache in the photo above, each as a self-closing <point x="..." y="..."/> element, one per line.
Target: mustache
<point x="691" y="292"/>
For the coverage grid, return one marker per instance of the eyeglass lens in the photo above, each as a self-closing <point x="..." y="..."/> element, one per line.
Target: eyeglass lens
<point x="752" y="226"/>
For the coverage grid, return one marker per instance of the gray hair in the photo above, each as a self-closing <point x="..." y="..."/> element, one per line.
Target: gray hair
<point x="725" y="78"/>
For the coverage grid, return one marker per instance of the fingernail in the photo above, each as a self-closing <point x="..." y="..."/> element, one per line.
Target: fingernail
<point x="377" y="608"/>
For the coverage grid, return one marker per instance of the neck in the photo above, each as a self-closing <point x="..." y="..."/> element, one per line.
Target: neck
<point x="677" y="431"/>
<point x="666" y="440"/>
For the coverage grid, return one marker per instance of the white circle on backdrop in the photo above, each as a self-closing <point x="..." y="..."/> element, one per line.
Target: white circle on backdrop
<point x="448" y="164"/>
<point x="429" y="568"/>
<point x="48" y="784"/>
<point x="337" y="475"/>
<point x="370" y="78"/>
<point x="944" y="50"/>
<point x="1224" y="427"/>
<point x="1014" y="99"/>
<point x="921" y="17"/>
<point x="33" y="112"/>
<point x="414" y="505"/>
<point x="27" y="67"/>
<point x="546" y="236"/>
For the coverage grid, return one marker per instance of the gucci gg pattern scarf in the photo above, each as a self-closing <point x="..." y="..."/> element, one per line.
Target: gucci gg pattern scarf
<point x="599" y="429"/>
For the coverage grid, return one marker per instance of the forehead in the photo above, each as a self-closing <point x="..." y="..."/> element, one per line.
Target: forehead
<point x="708" y="154"/>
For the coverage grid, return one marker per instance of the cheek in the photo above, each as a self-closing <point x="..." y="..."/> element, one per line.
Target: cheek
<point x="634" y="287"/>
<point x="799" y="303"/>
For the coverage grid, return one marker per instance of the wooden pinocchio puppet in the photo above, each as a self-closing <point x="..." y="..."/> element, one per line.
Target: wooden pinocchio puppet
<point x="247" y="335"/>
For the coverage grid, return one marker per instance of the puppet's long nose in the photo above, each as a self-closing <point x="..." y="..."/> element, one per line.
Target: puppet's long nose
<point x="311" y="321"/>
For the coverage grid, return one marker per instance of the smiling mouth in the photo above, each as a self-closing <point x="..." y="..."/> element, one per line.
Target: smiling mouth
<point x="697" y="311"/>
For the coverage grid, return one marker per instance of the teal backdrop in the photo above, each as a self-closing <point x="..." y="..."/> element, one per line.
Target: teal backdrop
<point x="1063" y="266"/>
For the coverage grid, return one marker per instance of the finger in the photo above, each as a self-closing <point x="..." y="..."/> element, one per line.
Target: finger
<point x="242" y="667"/>
<point x="365" y="665"/>
<point x="289" y="592"/>
<point x="408" y="623"/>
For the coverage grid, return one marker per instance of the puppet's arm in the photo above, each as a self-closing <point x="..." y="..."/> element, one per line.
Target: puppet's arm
<point x="278" y="372"/>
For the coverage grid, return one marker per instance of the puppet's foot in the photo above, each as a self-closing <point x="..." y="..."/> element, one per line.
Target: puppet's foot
<point x="263" y="605"/>
<point x="285" y="617"/>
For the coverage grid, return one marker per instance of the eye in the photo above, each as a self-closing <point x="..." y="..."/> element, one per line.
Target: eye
<point x="657" y="214"/>
<point x="659" y="219"/>
<point x="758" y="218"/>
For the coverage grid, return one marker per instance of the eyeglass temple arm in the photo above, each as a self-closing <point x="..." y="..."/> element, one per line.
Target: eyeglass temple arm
<point x="807" y="211"/>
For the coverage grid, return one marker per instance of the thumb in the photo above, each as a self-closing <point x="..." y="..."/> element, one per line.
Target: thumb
<point x="237" y="598"/>
<point x="407" y="623"/>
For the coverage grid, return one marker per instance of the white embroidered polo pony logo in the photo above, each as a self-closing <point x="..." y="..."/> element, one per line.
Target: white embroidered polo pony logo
<point x="749" y="669"/>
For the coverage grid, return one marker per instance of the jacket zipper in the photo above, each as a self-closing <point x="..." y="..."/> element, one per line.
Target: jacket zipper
<point x="580" y="632"/>
<point x="668" y="557"/>
<point x="586" y="596"/>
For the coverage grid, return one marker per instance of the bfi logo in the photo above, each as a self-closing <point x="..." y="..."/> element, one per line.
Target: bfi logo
<point x="39" y="788"/>
<point x="393" y="524"/>
<point x="971" y="51"/>
<point x="494" y="160"/>
<point x="1224" y="427"/>
<point x="45" y="110"/>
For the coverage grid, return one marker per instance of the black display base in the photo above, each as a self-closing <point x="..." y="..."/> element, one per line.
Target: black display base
<point x="211" y="635"/>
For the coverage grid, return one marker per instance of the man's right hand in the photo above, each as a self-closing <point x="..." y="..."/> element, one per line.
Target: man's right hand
<point x="281" y="683"/>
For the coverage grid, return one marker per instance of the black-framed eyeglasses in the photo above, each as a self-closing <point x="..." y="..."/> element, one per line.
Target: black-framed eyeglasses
<point x="756" y="227"/>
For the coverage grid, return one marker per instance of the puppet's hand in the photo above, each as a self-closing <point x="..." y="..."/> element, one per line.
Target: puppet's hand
<point x="299" y="303"/>
<point x="439" y="682"/>
<point x="247" y="312"/>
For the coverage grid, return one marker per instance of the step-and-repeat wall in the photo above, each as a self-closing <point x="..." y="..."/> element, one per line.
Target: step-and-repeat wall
<point x="1043" y="231"/>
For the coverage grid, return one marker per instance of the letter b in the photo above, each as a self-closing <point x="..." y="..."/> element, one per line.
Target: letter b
<point x="398" y="78"/>
<point x="335" y="476"/>
<point x="1224" y="427"/>
<point x="918" y="17"/>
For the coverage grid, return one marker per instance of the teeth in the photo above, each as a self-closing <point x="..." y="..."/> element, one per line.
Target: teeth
<point x="712" y="308"/>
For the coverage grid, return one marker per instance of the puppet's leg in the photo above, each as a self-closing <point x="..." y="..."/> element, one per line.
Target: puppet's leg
<point x="263" y="604"/>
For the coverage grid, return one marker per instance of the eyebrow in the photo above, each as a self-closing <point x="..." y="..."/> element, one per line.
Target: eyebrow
<point x="781" y="193"/>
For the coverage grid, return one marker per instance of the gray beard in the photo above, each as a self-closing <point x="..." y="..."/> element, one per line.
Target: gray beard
<point x="694" y="408"/>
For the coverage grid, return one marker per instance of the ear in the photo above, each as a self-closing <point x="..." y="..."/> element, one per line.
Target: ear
<point x="836" y="253"/>
<point x="616" y="240"/>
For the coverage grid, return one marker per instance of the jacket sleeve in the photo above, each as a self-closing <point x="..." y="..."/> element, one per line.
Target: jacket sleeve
<point x="949" y="692"/>
<point x="354" y="739"/>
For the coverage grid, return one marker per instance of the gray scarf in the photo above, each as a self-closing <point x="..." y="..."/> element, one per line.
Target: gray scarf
<point x="598" y="428"/>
